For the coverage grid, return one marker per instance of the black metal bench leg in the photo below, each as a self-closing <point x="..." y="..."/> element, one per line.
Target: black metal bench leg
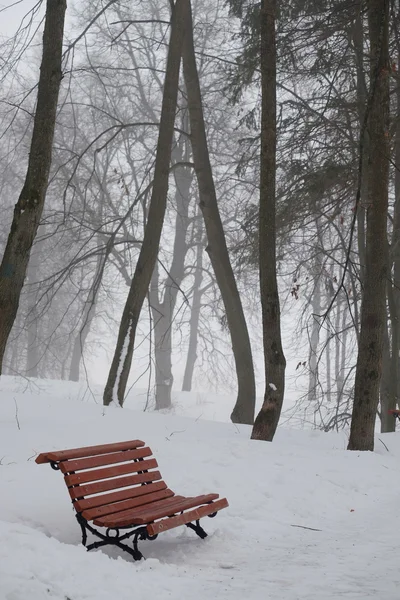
<point x="137" y="555"/>
<point x="83" y="528"/>
<point x="197" y="529"/>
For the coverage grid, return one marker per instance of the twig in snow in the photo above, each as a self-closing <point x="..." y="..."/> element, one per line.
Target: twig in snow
<point x="6" y="464"/>
<point x="33" y="456"/>
<point x="383" y="444"/>
<point x="303" y="527"/>
<point x="173" y="433"/>
<point x="16" y="414"/>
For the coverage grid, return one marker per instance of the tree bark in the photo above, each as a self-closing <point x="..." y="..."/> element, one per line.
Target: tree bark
<point x="163" y="312"/>
<point x="243" y="411"/>
<point x="122" y="360"/>
<point x="388" y="422"/>
<point x="194" y="318"/>
<point x="89" y="311"/>
<point x="373" y="309"/>
<point x="29" y="208"/>
<point x="390" y="388"/>
<point x="313" y="362"/>
<point x="32" y="346"/>
<point x="362" y="94"/>
<point x="274" y="360"/>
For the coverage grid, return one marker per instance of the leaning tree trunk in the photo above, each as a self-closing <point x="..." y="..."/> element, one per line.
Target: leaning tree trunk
<point x="274" y="360"/>
<point x="121" y="364"/>
<point x="243" y="411"/>
<point x="29" y="208"/>
<point x="373" y="309"/>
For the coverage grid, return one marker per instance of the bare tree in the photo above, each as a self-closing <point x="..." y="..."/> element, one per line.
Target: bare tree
<point x="121" y="364"/>
<point x="29" y="208"/>
<point x="163" y="309"/>
<point x="267" y="420"/>
<point x="243" y="411"/>
<point x="373" y="309"/>
<point x="194" y="312"/>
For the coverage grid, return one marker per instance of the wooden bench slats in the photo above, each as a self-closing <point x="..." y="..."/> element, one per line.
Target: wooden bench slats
<point x="88" y="451"/>
<point x="69" y="466"/>
<point x="132" y="492"/>
<point x="187" y="517"/>
<point x="90" y="489"/>
<point x="126" y="515"/>
<point x="118" y="507"/>
<point x="143" y="515"/>
<point x="108" y="472"/>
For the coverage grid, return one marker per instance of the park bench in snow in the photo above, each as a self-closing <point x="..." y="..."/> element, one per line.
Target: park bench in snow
<point x="142" y="507"/>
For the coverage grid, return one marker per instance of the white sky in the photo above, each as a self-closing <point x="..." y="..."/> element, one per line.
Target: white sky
<point x="12" y="13"/>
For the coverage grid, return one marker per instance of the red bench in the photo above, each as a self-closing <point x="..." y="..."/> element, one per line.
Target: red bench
<point x="143" y="504"/>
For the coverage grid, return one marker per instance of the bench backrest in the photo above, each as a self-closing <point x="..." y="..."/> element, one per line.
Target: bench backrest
<point x="125" y="466"/>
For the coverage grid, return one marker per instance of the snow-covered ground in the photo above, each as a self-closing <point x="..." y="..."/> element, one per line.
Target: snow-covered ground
<point x="307" y="519"/>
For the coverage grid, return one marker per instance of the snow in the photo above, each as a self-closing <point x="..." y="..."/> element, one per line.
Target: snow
<point x="307" y="519"/>
<point x="273" y="386"/>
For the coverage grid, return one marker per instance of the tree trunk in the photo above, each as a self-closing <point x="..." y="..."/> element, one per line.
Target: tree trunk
<point x="388" y="423"/>
<point x="274" y="360"/>
<point x="89" y="311"/>
<point x="390" y="388"/>
<point x="29" y="208"/>
<point x="243" y="411"/>
<point x="121" y="364"/>
<point x="315" y="329"/>
<point x="32" y="354"/>
<point x="328" y="368"/>
<point x="163" y="312"/>
<point x="358" y="41"/>
<point x="373" y="309"/>
<point x="194" y="319"/>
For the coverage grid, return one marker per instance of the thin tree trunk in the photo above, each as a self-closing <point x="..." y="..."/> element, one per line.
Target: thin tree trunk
<point x="194" y="319"/>
<point x="243" y="411"/>
<point x="358" y="41"/>
<point x="388" y="423"/>
<point x="315" y="329"/>
<point x="373" y="309"/>
<point x="29" y="208"/>
<point x="328" y="368"/>
<point x="338" y="344"/>
<point x="121" y="364"/>
<point x="163" y="312"/>
<point x="32" y="354"/>
<point x="89" y="311"/>
<point x="274" y="360"/>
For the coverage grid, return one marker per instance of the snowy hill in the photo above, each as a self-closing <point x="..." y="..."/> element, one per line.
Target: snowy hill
<point x="307" y="519"/>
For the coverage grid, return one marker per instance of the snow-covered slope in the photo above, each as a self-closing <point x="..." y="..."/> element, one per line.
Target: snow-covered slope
<point x="307" y="519"/>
